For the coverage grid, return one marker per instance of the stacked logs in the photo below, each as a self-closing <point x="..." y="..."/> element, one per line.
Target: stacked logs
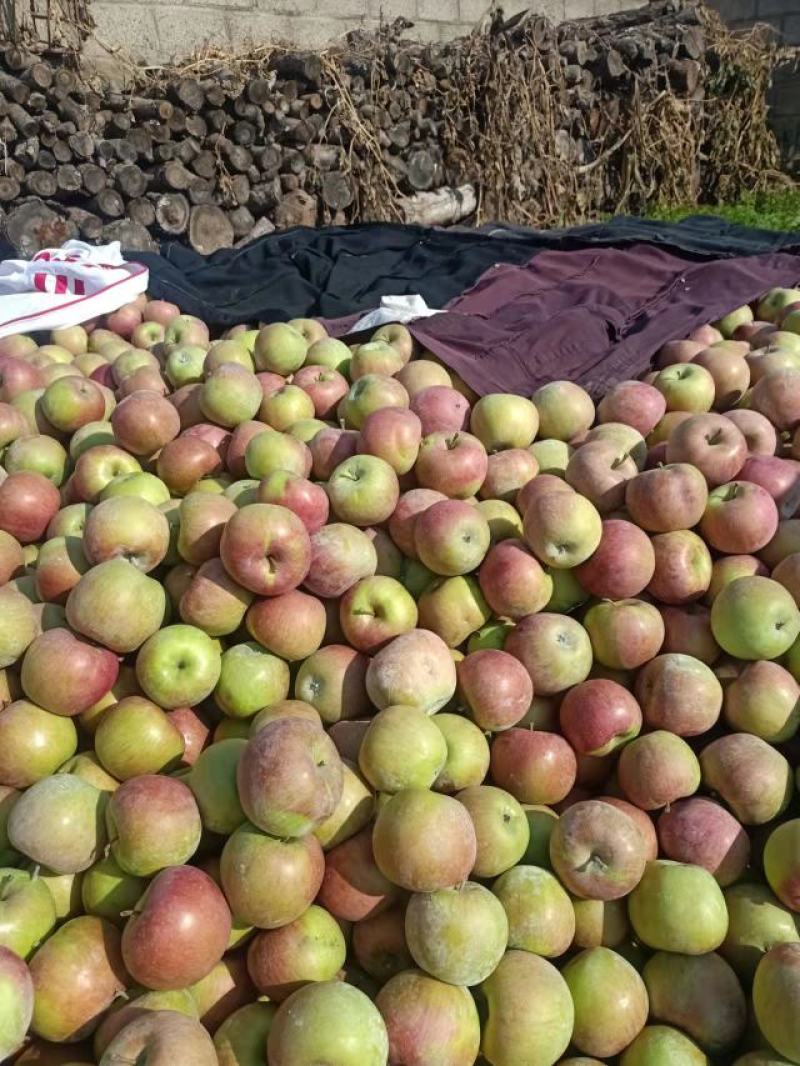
<point x="382" y="127"/>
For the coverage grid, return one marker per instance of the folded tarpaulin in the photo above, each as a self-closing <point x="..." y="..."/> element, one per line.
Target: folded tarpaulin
<point x="594" y="316"/>
<point x="66" y="286"/>
<point x="339" y="270"/>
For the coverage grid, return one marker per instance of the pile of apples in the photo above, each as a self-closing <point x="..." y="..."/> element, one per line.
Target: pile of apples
<point x="350" y="718"/>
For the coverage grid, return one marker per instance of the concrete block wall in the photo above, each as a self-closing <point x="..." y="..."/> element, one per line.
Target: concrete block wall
<point x="157" y="30"/>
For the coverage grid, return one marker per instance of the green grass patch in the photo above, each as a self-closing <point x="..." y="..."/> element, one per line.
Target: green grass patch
<point x="779" y="210"/>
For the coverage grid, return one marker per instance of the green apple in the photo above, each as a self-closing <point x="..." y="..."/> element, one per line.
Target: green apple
<point x="661" y="1045"/>
<point x="540" y="914"/>
<point x="136" y="737"/>
<point x="212" y="780"/>
<point x="457" y="934"/>
<point x="402" y="748"/>
<point x="610" y="1001"/>
<point x="328" y="1021"/>
<point x="528" y="1011"/>
<point x="250" y="678"/>
<point x="108" y="892"/>
<point x="27" y="911"/>
<point x="776" y="999"/>
<point x="178" y="666"/>
<point x="678" y="907"/>
<point x="755" y="618"/>
<point x="757" y="921"/>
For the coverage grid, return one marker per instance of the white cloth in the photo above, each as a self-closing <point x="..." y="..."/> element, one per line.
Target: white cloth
<point x="394" y="309"/>
<point x="66" y="286"/>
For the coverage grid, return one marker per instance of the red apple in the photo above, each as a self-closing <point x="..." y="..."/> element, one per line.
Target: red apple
<point x="266" y="549"/>
<point x="534" y="766"/>
<point x="712" y="444"/>
<point x="623" y="564"/>
<point x="179" y="930"/>
<point x="740" y="518"/>
<point x="635" y="403"/>
<point x="598" y="716"/>
<point x="703" y="833"/>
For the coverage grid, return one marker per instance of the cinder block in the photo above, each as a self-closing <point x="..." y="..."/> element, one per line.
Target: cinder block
<point x="427" y="30"/>
<point x="129" y="26"/>
<point x="323" y="9"/>
<point x="791" y="29"/>
<point x="301" y="31"/>
<point x="389" y="10"/>
<point x="736" y="10"/>
<point x="472" y="11"/>
<point x="229" y="5"/>
<point x="179" y="33"/>
<point x="774" y="7"/>
<point x="438" y="10"/>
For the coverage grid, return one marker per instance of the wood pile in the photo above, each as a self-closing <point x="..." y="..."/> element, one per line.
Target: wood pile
<point x="521" y="119"/>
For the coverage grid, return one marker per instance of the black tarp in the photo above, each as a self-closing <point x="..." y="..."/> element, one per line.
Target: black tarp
<point x="337" y="270"/>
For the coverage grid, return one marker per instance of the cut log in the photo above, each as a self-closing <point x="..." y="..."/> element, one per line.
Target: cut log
<point x="296" y="209"/>
<point x="189" y="93"/>
<point x="187" y="150"/>
<point x="89" y="226"/>
<point x="172" y="213"/>
<point x="41" y="183"/>
<point x="264" y="197"/>
<point x="38" y="75"/>
<point x="269" y="160"/>
<point x="61" y="151"/>
<point x="142" y="211"/>
<point x="14" y="89"/>
<point x="72" y="111"/>
<point x="204" y="164"/>
<point x="238" y="157"/>
<point x="209" y="229"/>
<point x="242" y="221"/>
<point x="259" y="90"/>
<point x="421" y="169"/>
<point x="120" y="123"/>
<point x="322" y="156"/>
<point x="304" y="65"/>
<point x="33" y="226"/>
<point x="64" y="82"/>
<point x="196" y="126"/>
<point x="440" y="208"/>
<point x="25" y="124"/>
<point x="142" y="144"/>
<point x="68" y="180"/>
<point x="37" y="104"/>
<point x="130" y="235"/>
<point x="244" y="133"/>
<point x="27" y="152"/>
<point x="81" y="145"/>
<point x="109" y="204"/>
<point x="9" y="189"/>
<point x="200" y="191"/>
<point x="262" y="228"/>
<point x="177" y="120"/>
<point x="93" y="178"/>
<point x="130" y="180"/>
<point x="172" y="177"/>
<point x="46" y="160"/>
<point x="337" y="190"/>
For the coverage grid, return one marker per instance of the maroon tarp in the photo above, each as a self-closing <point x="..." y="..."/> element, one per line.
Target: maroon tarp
<point x="595" y="316"/>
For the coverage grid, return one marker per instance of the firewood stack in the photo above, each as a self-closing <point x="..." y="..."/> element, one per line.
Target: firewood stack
<point x="226" y="148"/>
